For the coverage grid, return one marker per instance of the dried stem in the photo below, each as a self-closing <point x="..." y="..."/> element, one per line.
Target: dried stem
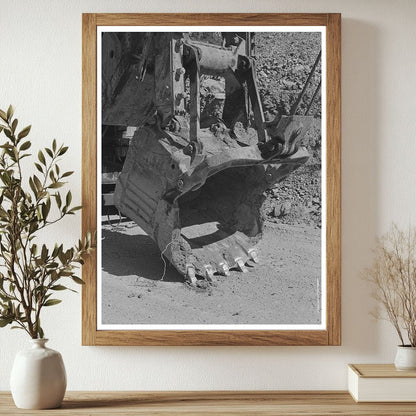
<point x="393" y="276"/>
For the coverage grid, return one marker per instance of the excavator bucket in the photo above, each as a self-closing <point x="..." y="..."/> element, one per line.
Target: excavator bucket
<point x="195" y="183"/>
<point x="205" y="217"/>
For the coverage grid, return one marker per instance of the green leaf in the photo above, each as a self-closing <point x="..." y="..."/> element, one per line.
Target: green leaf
<point x="51" y="302"/>
<point x="3" y="115"/>
<point x="62" y="257"/>
<point x="54" y="276"/>
<point x="55" y="251"/>
<point x="76" y="279"/>
<point x="58" y="199"/>
<point x="37" y="182"/>
<point x="44" y="253"/>
<point x="49" y="151"/>
<point x="40" y="332"/>
<point x="63" y="150"/>
<point x="25" y="145"/>
<point x="5" y="179"/>
<point x="34" y="226"/>
<point x="33" y="187"/>
<point x="59" y="287"/>
<point x="67" y="174"/>
<point x="24" y="132"/>
<point x="10" y="112"/>
<point x="56" y="185"/>
<point x="45" y="211"/>
<point x="8" y="133"/>
<point x="4" y="298"/>
<point x="41" y="157"/>
<point x="34" y="249"/>
<point x="77" y="208"/>
<point x="14" y="125"/>
<point x="5" y="321"/>
<point x="54" y="145"/>
<point x="39" y="167"/>
<point x="68" y="199"/>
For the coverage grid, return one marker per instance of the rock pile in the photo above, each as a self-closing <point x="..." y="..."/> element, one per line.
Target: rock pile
<point x="284" y="61"/>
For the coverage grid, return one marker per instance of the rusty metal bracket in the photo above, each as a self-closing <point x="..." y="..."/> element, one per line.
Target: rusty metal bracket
<point x="302" y="93"/>
<point x="254" y="95"/>
<point x="195" y="101"/>
<point x="317" y="90"/>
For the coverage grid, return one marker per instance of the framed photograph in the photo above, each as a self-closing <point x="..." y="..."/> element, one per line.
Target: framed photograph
<point x="211" y="172"/>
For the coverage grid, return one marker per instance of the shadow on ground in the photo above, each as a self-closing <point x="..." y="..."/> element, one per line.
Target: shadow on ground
<point x="136" y="254"/>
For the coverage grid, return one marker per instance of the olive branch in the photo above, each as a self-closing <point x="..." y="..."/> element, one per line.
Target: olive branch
<point x="30" y="274"/>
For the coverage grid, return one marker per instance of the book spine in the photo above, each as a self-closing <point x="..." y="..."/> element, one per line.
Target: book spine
<point x="353" y="381"/>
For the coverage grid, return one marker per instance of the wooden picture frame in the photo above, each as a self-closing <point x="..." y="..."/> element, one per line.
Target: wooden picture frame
<point x="331" y="334"/>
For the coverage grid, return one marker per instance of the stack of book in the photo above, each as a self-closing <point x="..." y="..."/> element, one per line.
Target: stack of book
<point x="381" y="383"/>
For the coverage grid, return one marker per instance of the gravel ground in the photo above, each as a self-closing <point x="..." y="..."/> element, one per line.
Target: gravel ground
<point x="284" y="289"/>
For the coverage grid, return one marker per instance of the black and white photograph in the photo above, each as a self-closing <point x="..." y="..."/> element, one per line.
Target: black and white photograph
<point x="211" y="178"/>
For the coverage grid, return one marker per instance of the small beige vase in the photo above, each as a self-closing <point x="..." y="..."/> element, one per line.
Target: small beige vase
<point x="38" y="377"/>
<point x="405" y="358"/>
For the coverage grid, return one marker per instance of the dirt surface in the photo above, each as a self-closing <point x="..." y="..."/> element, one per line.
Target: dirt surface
<point x="285" y="289"/>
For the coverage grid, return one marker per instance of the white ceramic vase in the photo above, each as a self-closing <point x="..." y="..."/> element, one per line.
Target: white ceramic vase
<point x="38" y="378"/>
<point x="405" y="358"/>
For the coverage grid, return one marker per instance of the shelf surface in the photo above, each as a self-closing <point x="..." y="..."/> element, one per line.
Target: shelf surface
<point x="380" y="371"/>
<point x="177" y="403"/>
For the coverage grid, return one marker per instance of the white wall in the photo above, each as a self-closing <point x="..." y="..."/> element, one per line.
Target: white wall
<point x="40" y="73"/>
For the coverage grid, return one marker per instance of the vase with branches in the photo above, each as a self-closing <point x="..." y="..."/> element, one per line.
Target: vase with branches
<point x="393" y="278"/>
<point x="32" y="272"/>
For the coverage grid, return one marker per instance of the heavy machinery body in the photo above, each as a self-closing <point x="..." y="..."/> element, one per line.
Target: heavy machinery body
<point x="193" y="180"/>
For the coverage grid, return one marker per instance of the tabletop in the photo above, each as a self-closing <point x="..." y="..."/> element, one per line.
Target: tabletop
<point x="177" y="403"/>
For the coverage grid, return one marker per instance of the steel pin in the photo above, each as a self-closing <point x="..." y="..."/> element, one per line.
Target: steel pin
<point x="190" y="274"/>
<point x="209" y="272"/>
<point x="253" y="255"/>
<point x="241" y="266"/>
<point x="223" y="269"/>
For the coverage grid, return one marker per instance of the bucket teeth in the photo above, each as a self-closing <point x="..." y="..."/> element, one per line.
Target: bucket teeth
<point x="190" y="275"/>
<point x="253" y="255"/>
<point x="224" y="269"/>
<point x="219" y="256"/>
<point x="241" y="266"/>
<point x="209" y="273"/>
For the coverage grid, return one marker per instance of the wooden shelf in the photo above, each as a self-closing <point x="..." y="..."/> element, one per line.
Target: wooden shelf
<point x="318" y="403"/>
